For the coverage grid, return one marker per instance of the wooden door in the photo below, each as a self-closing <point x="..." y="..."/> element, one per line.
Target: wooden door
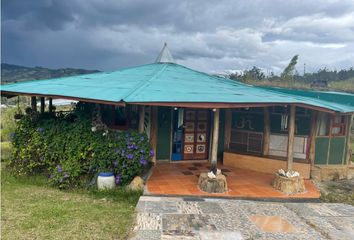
<point x="196" y="134"/>
<point x="163" y="133"/>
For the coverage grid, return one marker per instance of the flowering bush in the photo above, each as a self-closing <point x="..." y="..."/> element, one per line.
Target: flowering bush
<point x="66" y="150"/>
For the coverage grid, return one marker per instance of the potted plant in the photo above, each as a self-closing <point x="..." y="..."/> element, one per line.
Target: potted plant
<point x="105" y="178"/>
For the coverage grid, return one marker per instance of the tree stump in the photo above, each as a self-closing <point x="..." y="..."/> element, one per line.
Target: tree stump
<point x="290" y="185"/>
<point x="212" y="185"/>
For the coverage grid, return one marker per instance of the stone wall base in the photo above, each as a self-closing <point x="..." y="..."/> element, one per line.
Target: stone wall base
<point x="332" y="172"/>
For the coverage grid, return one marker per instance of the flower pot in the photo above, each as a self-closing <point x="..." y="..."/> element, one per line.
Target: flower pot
<point x="105" y="180"/>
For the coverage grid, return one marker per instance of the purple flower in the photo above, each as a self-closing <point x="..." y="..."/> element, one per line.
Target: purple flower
<point x="66" y="175"/>
<point x="143" y="161"/>
<point x="130" y="156"/>
<point x="130" y="146"/>
<point x="152" y="152"/>
<point x="142" y="151"/>
<point x="117" y="151"/>
<point x="142" y="138"/>
<point x="115" y="163"/>
<point x="118" y="179"/>
<point x="136" y="147"/>
<point x="59" y="169"/>
<point x="40" y="129"/>
<point x="122" y="154"/>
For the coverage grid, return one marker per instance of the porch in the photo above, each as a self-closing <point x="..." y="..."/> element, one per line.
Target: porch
<point x="181" y="179"/>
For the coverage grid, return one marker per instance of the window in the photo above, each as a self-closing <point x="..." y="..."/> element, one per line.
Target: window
<point x="246" y="141"/>
<point x="338" y="126"/>
<point x="323" y="124"/>
<point x="114" y="117"/>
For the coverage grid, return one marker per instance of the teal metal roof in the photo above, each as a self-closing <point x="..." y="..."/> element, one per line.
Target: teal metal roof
<point x="163" y="83"/>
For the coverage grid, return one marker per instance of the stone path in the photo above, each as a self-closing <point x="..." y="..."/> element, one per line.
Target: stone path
<point x="207" y="218"/>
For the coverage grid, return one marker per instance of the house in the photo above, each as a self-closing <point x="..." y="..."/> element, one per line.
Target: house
<point x="190" y="115"/>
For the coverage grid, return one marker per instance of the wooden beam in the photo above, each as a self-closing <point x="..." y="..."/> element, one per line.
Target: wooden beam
<point x="50" y="106"/>
<point x="42" y="104"/>
<point x="153" y="131"/>
<point x="312" y="137"/>
<point x="34" y="104"/>
<point x="141" y="118"/>
<point x="348" y="148"/>
<point x="266" y="133"/>
<point x="227" y="134"/>
<point x="214" y="147"/>
<point x="291" y="135"/>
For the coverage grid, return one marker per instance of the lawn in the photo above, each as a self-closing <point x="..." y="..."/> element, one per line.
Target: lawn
<point x="5" y="150"/>
<point x="32" y="210"/>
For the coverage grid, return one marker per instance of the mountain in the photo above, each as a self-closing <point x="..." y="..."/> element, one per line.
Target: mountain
<point x="11" y="73"/>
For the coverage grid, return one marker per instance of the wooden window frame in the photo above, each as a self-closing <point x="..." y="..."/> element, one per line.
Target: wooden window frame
<point x="342" y="126"/>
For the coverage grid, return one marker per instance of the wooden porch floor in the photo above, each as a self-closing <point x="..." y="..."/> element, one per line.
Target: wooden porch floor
<point x="182" y="178"/>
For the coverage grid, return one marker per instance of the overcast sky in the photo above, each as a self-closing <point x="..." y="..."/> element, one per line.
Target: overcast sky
<point x="211" y="36"/>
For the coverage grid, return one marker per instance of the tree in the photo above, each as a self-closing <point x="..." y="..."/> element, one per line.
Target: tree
<point x="254" y="74"/>
<point x="289" y="71"/>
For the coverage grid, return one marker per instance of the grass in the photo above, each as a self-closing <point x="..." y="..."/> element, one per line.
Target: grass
<point x="341" y="191"/>
<point x="5" y="150"/>
<point x="32" y="210"/>
<point x="346" y="85"/>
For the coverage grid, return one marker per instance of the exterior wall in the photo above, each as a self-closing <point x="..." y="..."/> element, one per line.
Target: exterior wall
<point x="260" y="164"/>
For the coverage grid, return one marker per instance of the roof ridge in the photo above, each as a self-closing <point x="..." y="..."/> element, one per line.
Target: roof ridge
<point x="143" y="83"/>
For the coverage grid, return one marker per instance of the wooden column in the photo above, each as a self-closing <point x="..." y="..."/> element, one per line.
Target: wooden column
<point x="50" y="106"/>
<point x="141" y="118"/>
<point x="34" y="104"/>
<point x="312" y="137"/>
<point x="42" y="104"/>
<point x="153" y="131"/>
<point x="227" y="134"/>
<point x="266" y="133"/>
<point x="214" y="146"/>
<point x="349" y="130"/>
<point x="291" y="136"/>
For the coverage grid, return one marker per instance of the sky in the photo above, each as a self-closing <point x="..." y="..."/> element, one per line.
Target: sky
<point x="211" y="36"/>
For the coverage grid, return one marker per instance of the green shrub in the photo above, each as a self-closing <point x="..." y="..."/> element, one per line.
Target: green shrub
<point x="66" y="150"/>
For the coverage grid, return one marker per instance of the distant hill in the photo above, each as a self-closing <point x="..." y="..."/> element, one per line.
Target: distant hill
<point x="14" y="73"/>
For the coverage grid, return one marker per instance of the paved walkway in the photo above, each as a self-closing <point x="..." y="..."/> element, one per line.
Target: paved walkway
<point x="210" y="218"/>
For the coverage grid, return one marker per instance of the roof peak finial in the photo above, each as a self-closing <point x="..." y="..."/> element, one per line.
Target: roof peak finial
<point x="165" y="55"/>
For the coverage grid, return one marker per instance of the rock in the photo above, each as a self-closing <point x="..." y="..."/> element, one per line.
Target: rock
<point x="137" y="184"/>
<point x="290" y="185"/>
<point x="212" y="185"/>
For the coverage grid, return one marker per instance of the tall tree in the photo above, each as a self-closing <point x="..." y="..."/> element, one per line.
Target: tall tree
<point x="289" y="71"/>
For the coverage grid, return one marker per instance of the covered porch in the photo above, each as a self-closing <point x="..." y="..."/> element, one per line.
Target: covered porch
<point x="181" y="179"/>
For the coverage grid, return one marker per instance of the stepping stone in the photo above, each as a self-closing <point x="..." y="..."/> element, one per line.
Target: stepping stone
<point x="220" y="235"/>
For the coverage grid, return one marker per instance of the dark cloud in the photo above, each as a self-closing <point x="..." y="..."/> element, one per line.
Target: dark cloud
<point x="207" y="35"/>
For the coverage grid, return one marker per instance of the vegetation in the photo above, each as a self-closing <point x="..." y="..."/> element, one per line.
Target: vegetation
<point x="32" y="210"/>
<point x="341" y="191"/>
<point x="324" y="79"/>
<point x="70" y="153"/>
<point x="14" y="73"/>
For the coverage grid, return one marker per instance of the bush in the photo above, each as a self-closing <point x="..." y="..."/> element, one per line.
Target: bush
<point x="65" y="149"/>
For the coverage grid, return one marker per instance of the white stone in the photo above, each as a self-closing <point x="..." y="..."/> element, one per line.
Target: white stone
<point x="211" y="175"/>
